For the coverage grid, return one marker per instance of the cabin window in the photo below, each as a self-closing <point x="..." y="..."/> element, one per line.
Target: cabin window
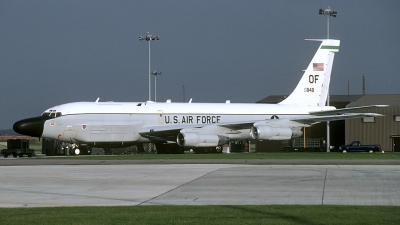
<point x="52" y="113"/>
<point x="396" y="118"/>
<point x="368" y="120"/>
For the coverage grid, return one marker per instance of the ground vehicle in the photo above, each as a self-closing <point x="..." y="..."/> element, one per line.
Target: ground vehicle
<point x="17" y="147"/>
<point x="356" y="146"/>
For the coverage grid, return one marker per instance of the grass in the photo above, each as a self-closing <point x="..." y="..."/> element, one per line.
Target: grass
<point x="271" y="155"/>
<point x="263" y="214"/>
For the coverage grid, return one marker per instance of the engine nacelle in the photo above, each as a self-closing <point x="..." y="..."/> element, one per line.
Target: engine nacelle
<point x="297" y="132"/>
<point x="191" y="139"/>
<point x="273" y="133"/>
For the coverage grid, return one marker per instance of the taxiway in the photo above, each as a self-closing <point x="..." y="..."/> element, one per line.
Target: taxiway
<point x="198" y="184"/>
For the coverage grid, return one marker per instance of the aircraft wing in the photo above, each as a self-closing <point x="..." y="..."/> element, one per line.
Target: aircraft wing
<point x="238" y="125"/>
<point x="163" y="133"/>
<point x="170" y="132"/>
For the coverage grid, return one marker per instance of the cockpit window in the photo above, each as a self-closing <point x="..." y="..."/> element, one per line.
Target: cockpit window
<point x="52" y="113"/>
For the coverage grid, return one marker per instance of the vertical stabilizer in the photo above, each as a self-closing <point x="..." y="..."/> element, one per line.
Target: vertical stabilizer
<point x="312" y="90"/>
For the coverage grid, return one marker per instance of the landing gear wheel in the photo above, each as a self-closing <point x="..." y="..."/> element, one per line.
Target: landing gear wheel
<point x="77" y="151"/>
<point x="218" y="149"/>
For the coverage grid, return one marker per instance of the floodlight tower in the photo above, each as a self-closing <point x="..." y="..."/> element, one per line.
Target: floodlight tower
<point x="155" y="73"/>
<point x="328" y="12"/>
<point x="149" y="38"/>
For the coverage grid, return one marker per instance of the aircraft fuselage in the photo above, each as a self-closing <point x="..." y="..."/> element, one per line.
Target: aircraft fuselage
<point x="120" y="122"/>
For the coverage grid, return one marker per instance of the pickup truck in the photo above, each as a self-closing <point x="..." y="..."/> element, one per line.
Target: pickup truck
<point x="356" y="146"/>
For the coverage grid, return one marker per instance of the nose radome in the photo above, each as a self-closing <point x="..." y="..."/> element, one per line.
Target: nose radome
<point x="31" y="127"/>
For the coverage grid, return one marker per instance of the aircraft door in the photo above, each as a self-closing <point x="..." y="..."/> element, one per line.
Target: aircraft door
<point x="68" y="135"/>
<point x="160" y="117"/>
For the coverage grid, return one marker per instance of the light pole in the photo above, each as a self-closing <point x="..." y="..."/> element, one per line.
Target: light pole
<point x="155" y="73"/>
<point x="328" y="12"/>
<point x="149" y="38"/>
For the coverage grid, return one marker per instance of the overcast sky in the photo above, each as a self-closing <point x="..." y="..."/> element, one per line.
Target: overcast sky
<point x="54" y="52"/>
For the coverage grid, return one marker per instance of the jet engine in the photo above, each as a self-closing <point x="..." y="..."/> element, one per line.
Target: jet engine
<point x="273" y="133"/>
<point x="191" y="139"/>
<point x="297" y="132"/>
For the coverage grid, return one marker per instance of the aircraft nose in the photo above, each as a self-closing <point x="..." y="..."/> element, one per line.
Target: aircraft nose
<point x="32" y="126"/>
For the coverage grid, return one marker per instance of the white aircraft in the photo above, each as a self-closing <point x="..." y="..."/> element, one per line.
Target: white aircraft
<point x="176" y="126"/>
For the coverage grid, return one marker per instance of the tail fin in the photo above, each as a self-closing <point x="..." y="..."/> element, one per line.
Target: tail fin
<point x="312" y="90"/>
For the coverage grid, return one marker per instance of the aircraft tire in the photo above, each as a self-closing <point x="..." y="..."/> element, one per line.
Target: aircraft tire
<point x="219" y="149"/>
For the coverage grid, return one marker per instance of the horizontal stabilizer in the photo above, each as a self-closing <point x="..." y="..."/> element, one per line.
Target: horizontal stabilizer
<point x="317" y="119"/>
<point x="345" y="110"/>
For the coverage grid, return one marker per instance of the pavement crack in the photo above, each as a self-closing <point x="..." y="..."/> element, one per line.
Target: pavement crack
<point x="323" y="190"/>
<point x="191" y="201"/>
<point x="173" y="189"/>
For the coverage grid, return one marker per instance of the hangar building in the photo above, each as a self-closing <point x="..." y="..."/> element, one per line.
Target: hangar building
<point x="377" y="130"/>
